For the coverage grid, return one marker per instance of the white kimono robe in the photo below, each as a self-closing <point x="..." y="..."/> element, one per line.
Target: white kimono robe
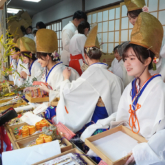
<point x="81" y="96"/>
<point x="151" y="115"/>
<point x="67" y="33"/>
<point x="118" y="69"/>
<point x="77" y="43"/>
<point x="36" y="71"/>
<point x="21" y="67"/>
<point x="55" y="77"/>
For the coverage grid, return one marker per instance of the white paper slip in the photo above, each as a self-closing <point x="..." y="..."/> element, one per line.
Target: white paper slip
<point x="24" y="108"/>
<point x="116" y="146"/>
<point x="30" y="118"/>
<point x="31" y="155"/>
<point x="41" y="108"/>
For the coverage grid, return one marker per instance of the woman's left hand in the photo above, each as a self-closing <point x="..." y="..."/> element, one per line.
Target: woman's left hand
<point x="44" y="88"/>
<point x="66" y="73"/>
<point x="131" y="159"/>
<point x="23" y="75"/>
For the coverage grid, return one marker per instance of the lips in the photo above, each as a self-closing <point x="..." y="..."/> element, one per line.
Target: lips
<point x="128" y="70"/>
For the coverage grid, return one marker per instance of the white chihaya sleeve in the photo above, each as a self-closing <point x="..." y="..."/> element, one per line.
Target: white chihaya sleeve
<point x="151" y="153"/>
<point x="66" y="37"/>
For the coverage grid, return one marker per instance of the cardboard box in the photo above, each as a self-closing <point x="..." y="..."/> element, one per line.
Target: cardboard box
<point x="106" y="159"/>
<point x="36" y="100"/>
<point x="89" y="162"/>
<point x="14" y="105"/>
<point x="24" y="142"/>
<point x="107" y="58"/>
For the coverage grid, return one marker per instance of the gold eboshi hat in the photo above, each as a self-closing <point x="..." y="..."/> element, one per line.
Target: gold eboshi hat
<point x="148" y="32"/>
<point x="46" y="41"/>
<point x="92" y="40"/>
<point x="134" y="4"/>
<point x="26" y="45"/>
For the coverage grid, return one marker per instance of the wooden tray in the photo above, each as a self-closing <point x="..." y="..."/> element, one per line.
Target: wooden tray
<point x="11" y="130"/>
<point x="54" y="103"/>
<point x="11" y="139"/>
<point x="89" y="162"/>
<point x="127" y="131"/>
<point x="36" y="100"/>
<point x="14" y="105"/>
<point x="22" y="143"/>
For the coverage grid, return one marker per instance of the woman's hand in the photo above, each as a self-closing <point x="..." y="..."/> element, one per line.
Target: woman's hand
<point x="131" y="159"/>
<point x="66" y="73"/>
<point x="23" y="75"/>
<point x="44" y="88"/>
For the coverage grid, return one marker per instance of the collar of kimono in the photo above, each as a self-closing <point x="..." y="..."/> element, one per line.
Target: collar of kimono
<point x="135" y="106"/>
<point x="47" y="75"/>
<point x="100" y="63"/>
<point x="30" y="68"/>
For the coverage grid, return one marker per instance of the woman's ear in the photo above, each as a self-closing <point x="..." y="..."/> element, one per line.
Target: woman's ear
<point x="147" y="61"/>
<point x="31" y="55"/>
<point x="47" y="57"/>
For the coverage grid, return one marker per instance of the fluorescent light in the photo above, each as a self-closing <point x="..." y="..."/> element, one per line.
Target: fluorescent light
<point x="12" y="10"/>
<point x="32" y="0"/>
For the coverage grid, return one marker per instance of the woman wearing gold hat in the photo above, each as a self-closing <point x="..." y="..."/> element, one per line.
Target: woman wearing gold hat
<point x="93" y="96"/>
<point x="28" y="49"/>
<point x="135" y="7"/>
<point x="47" y="46"/>
<point x="142" y="105"/>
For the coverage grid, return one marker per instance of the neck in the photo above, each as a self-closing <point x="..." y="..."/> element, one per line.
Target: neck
<point x="74" y="23"/>
<point x="93" y="61"/>
<point x="144" y="77"/>
<point x="51" y="64"/>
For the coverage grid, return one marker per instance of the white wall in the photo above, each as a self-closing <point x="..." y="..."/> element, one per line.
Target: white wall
<point x="65" y="21"/>
<point x="92" y="4"/>
<point x="59" y="11"/>
<point x="67" y="8"/>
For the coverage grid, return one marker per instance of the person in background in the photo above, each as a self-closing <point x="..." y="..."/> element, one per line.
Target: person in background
<point x="76" y="47"/>
<point x="28" y="50"/>
<point x="117" y="65"/>
<point x="15" y="54"/>
<point x="34" y="32"/>
<point x="29" y="33"/>
<point x="40" y="25"/>
<point x="68" y="32"/>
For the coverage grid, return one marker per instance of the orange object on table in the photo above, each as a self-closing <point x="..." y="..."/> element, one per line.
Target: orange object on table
<point x="38" y="126"/>
<point x="25" y="131"/>
<point x="47" y="139"/>
<point x="32" y="129"/>
<point x="39" y="141"/>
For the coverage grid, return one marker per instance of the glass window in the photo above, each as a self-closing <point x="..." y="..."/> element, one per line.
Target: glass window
<point x="153" y="5"/>
<point x="105" y="15"/>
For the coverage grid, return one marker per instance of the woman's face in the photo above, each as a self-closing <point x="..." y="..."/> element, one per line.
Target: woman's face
<point x="132" y="20"/>
<point x="44" y="61"/>
<point x="14" y="54"/>
<point x="25" y="59"/>
<point x="132" y="64"/>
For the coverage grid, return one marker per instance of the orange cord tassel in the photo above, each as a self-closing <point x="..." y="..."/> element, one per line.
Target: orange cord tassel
<point x="66" y="110"/>
<point x="133" y="118"/>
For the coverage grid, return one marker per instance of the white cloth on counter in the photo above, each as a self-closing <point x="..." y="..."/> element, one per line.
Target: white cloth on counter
<point x="27" y="156"/>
